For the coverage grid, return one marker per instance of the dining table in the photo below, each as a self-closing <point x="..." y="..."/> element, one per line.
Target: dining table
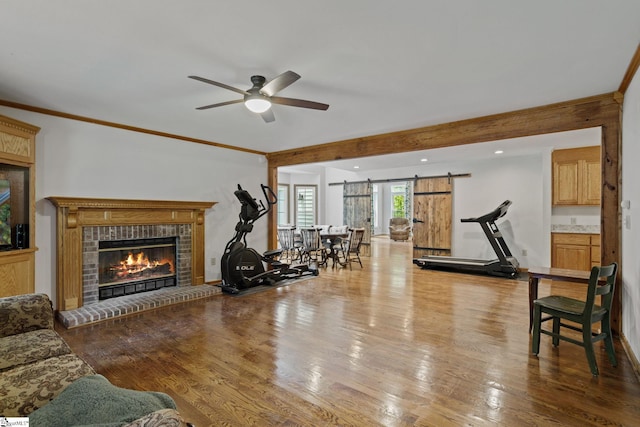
<point x="330" y="240"/>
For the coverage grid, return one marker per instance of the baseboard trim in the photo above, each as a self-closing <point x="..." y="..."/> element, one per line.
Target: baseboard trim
<point x="631" y="356"/>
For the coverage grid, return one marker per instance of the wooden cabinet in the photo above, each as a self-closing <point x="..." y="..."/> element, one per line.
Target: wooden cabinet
<point x="595" y="250"/>
<point x="576" y="176"/>
<point x="575" y="251"/>
<point x="17" y="207"/>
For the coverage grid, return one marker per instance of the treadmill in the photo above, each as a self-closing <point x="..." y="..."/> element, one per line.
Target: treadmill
<point x="505" y="265"/>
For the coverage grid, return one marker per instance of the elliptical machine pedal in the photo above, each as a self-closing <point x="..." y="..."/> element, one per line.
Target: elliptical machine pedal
<point x="230" y="290"/>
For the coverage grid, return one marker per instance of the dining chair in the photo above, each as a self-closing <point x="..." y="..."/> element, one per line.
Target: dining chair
<point x="350" y="247"/>
<point x="290" y="248"/>
<point x="312" y="249"/>
<point x="584" y="313"/>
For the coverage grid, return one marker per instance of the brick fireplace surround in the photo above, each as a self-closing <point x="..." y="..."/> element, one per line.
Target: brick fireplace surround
<point x="83" y="222"/>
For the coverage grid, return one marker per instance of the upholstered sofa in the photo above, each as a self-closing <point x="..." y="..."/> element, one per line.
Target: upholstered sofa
<point x="399" y="228"/>
<point x="40" y="377"/>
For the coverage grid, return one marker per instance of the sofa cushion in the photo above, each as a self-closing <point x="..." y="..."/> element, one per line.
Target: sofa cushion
<point x="29" y="347"/>
<point x="28" y="387"/>
<point x="24" y="313"/>
<point x="93" y="400"/>
<point x="162" y="417"/>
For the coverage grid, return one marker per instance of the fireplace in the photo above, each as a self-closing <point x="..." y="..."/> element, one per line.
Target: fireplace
<point x="128" y="267"/>
<point x="85" y="224"/>
<point x="114" y="262"/>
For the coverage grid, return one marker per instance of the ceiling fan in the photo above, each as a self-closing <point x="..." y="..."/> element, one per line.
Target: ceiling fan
<point x="259" y="98"/>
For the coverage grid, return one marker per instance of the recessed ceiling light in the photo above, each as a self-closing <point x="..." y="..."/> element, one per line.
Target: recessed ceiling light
<point x="356" y="167"/>
<point x="499" y="151"/>
<point x="423" y="160"/>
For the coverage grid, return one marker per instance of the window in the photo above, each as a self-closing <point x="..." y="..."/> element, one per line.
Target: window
<point x="398" y="200"/>
<point x="306" y="203"/>
<point x="283" y="204"/>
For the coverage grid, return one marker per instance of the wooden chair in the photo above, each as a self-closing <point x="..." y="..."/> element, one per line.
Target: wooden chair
<point x="584" y="313"/>
<point x="290" y="248"/>
<point x="312" y="249"/>
<point x="350" y="248"/>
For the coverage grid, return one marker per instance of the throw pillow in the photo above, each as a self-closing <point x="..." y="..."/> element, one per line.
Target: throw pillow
<point x="93" y="400"/>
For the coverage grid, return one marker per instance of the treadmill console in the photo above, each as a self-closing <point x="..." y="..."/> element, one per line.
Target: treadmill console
<point x="498" y="212"/>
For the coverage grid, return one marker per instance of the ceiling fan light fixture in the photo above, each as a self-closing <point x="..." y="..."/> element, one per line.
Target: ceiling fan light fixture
<point x="261" y="95"/>
<point x="257" y="103"/>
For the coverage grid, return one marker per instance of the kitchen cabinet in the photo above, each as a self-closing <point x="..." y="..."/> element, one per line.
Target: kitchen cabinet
<point x="575" y="251"/>
<point x="576" y="176"/>
<point x="595" y="250"/>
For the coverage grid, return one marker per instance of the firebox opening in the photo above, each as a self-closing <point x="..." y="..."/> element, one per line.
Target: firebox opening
<point x="139" y="265"/>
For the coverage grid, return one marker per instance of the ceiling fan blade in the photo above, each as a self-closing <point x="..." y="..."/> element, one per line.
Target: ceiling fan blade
<point x="268" y="116"/>
<point x="222" y="85"/>
<point x="298" y="103"/>
<point x="220" y="104"/>
<point x="279" y="82"/>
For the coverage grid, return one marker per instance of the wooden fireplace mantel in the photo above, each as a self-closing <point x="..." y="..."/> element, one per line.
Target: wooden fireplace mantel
<point x="74" y="213"/>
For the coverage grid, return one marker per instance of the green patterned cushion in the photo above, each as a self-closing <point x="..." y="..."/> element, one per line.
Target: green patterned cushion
<point x="28" y="387"/>
<point x="30" y="347"/>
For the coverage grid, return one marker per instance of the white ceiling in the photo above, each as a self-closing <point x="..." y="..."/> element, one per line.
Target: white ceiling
<point x="382" y="66"/>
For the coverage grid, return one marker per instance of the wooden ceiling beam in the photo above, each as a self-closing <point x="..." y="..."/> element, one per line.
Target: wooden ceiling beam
<point x="570" y="115"/>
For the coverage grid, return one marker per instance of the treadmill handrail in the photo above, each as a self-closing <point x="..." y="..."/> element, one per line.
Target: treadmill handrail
<point x="498" y="212"/>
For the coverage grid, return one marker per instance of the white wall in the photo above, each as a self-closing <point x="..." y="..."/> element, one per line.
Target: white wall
<point x="631" y="217"/>
<point x="78" y="159"/>
<point x="519" y="179"/>
<point x="332" y="208"/>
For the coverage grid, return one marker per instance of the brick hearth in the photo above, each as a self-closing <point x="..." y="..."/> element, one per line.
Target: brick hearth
<point x="131" y="304"/>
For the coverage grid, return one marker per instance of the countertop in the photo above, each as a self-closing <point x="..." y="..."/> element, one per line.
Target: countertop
<point x="578" y="229"/>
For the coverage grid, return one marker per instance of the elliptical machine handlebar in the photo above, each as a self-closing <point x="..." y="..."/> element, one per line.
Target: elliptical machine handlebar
<point x="269" y="195"/>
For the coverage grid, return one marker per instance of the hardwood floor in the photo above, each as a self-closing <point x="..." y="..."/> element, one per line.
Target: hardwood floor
<point x="389" y="344"/>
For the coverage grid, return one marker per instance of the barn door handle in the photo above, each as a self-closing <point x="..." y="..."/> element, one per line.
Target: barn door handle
<point x="416" y="220"/>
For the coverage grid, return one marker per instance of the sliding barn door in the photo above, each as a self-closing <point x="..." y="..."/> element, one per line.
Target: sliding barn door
<point x="357" y="211"/>
<point x="432" y="206"/>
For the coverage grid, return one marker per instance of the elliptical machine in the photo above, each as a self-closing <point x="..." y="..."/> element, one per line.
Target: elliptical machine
<point x="242" y="267"/>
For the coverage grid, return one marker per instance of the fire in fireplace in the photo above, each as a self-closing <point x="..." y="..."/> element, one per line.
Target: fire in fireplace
<point x="132" y="266"/>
